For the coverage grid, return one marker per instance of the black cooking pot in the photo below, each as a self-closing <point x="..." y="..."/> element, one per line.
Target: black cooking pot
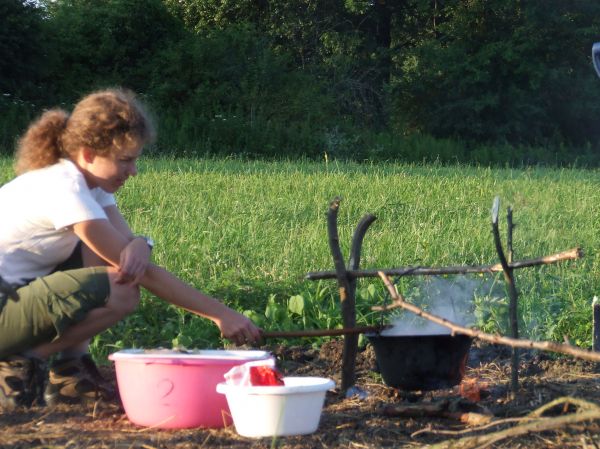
<point x="421" y="362"/>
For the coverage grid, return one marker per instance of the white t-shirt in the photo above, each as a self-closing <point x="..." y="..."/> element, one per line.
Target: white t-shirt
<point x="35" y="210"/>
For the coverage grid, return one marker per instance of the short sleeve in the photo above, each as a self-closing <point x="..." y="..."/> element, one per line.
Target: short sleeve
<point x="76" y="204"/>
<point x="103" y="198"/>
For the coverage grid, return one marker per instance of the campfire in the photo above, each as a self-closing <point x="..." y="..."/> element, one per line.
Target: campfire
<point x="347" y="276"/>
<point x="435" y="361"/>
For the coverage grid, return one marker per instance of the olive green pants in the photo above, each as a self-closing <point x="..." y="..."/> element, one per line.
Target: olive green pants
<point x="49" y="305"/>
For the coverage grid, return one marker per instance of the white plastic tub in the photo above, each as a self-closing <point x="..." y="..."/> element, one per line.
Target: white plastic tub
<point x="291" y="409"/>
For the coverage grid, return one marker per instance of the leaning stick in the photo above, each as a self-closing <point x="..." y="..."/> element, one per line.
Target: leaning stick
<point x="513" y="295"/>
<point x="496" y="339"/>
<point x="571" y="254"/>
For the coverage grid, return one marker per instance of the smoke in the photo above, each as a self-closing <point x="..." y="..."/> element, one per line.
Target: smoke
<point x="450" y="298"/>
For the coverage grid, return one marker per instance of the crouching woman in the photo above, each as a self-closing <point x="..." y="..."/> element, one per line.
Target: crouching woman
<point x="70" y="266"/>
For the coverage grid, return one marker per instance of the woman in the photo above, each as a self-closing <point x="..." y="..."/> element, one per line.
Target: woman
<point x="70" y="265"/>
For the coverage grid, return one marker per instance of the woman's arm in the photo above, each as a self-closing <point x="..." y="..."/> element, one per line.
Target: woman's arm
<point x="167" y="286"/>
<point x="118" y="221"/>
<point x="135" y="256"/>
<point x="131" y="257"/>
<point x="103" y="239"/>
<point x="108" y="243"/>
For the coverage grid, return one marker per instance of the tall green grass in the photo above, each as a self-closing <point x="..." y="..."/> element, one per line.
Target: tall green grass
<point x="248" y="232"/>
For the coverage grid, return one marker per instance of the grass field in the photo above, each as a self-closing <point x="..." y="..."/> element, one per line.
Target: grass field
<point x="248" y="232"/>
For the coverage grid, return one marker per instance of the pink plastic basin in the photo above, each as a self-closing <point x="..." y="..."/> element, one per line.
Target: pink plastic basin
<point x="173" y="390"/>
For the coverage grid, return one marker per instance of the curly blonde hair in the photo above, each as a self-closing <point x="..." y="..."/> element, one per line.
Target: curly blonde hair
<point x="109" y="122"/>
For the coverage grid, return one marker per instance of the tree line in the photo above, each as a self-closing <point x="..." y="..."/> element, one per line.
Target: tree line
<point x="489" y="81"/>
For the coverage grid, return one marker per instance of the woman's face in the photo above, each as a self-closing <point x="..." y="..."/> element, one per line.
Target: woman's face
<point x="110" y="172"/>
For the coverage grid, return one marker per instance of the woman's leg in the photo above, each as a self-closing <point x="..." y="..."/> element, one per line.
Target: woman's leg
<point x="83" y="256"/>
<point x="122" y="301"/>
<point x="55" y="312"/>
<point x="74" y="377"/>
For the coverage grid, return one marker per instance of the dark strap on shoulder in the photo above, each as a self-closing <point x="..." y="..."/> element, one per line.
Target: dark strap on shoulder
<point x="8" y="290"/>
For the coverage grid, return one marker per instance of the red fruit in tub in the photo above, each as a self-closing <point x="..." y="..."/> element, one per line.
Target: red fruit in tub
<point x="255" y="373"/>
<point x="265" y="375"/>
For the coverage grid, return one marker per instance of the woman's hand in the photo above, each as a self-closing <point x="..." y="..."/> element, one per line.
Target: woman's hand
<point x="133" y="262"/>
<point x="238" y="328"/>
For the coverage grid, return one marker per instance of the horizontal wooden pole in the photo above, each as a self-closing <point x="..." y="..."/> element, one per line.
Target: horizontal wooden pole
<point x="575" y="253"/>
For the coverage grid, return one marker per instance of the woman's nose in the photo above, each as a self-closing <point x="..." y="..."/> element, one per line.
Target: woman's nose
<point x="133" y="169"/>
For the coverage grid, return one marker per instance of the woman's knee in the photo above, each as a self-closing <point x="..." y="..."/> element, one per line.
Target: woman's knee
<point x="123" y="298"/>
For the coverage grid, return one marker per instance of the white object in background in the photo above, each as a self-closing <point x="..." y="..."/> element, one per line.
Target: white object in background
<point x="596" y="57"/>
<point x="264" y="411"/>
<point x="595" y="324"/>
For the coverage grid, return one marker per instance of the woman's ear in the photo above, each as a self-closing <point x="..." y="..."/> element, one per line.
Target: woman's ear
<point x="88" y="154"/>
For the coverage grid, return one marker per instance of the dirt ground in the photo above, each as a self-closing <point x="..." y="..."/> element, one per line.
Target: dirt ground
<point x="386" y="417"/>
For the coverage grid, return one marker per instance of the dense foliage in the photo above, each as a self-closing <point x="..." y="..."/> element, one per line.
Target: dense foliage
<point x="489" y="81"/>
